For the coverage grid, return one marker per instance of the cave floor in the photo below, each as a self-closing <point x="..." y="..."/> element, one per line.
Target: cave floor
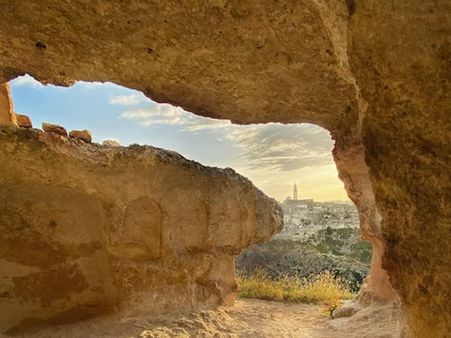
<point x="248" y="318"/>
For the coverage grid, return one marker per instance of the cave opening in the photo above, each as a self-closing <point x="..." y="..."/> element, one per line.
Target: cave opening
<point x="273" y="155"/>
<point x="338" y="64"/>
<point x="321" y="231"/>
<point x="321" y="223"/>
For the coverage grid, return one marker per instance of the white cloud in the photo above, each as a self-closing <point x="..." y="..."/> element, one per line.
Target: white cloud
<point x="26" y="81"/>
<point x="282" y="147"/>
<point x="274" y="146"/>
<point x="165" y="114"/>
<point x="127" y="100"/>
<point x="95" y="85"/>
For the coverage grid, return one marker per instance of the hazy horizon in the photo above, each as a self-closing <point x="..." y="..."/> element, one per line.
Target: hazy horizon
<point x="273" y="156"/>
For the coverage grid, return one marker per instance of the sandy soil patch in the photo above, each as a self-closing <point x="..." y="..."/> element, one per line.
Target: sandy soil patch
<point x="248" y="318"/>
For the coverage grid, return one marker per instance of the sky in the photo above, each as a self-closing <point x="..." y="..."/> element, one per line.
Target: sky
<point x="273" y="156"/>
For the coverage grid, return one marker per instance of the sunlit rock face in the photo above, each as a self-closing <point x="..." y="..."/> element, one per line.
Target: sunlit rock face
<point x="248" y="62"/>
<point x="374" y="73"/>
<point x="355" y="175"/>
<point x="7" y="116"/>
<point x="85" y="228"/>
<point x="401" y="56"/>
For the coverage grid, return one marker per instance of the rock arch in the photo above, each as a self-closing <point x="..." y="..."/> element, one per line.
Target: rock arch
<point x="376" y="74"/>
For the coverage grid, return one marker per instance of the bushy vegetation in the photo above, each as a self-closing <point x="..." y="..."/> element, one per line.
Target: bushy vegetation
<point x="362" y="251"/>
<point x="323" y="288"/>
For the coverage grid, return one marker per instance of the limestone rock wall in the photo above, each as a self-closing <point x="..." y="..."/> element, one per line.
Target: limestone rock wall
<point x="7" y="116"/>
<point x="374" y="73"/>
<point x="401" y="55"/>
<point x="86" y="228"/>
<point x="246" y="61"/>
<point x="353" y="171"/>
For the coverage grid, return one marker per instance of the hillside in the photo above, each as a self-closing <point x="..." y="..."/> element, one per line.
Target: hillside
<point x="337" y="250"/>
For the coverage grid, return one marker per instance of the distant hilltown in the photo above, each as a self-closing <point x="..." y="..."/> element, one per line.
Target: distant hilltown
<point x="304" y="217"/>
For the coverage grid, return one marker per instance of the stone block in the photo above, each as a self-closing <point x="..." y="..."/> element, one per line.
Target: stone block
<point x="54" y="129"/>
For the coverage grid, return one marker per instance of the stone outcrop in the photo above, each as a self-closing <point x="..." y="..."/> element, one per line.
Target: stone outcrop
<point x="355" y="175"/>
<point x="23" y="121"/>
<point x="111" y="143"/>
<point x="374" y="73"/>
<point x="245" y="62"/>
<point x="54" y="129"/>
<point x="7" y="116"/>
<point x="84" y="135"/>
<point x="406" y="133"/>
<point x="85" y="228"/>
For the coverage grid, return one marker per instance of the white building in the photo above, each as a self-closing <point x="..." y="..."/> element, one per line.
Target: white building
<point x="303" y="217"/>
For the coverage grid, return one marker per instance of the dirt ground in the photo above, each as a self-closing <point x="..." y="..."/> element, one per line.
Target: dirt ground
<point x="248" y="318"/>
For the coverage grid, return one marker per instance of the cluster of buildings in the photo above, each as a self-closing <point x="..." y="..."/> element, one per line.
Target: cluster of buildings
<point x="304" y="217"/>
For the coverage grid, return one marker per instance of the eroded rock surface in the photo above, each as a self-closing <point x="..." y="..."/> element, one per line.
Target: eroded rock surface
<point x="7" y="116"/>
<point x="85" y="228"/>
<point x="249" y="62"/>
<point x="401" y="56"/>
<point x="84" y="135"/>
<point x="24" y="121"/>
<point x="111" y="143"/>
<point x="374" y="73"/>
<point x="54" y="129"/>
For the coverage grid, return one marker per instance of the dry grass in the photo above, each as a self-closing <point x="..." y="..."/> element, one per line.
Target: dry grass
<point x="323" y="288"/>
